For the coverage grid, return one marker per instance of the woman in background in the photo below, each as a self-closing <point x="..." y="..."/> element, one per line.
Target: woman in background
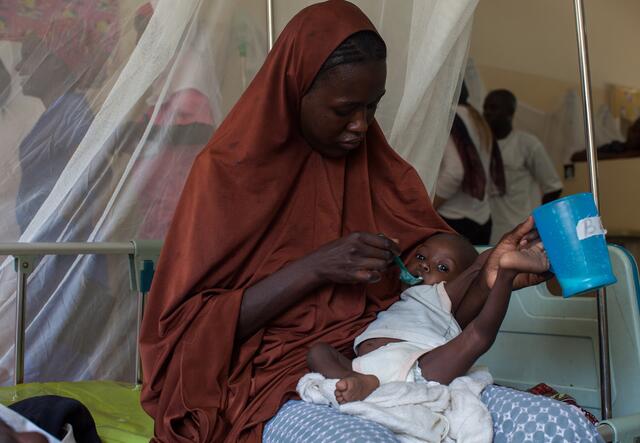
<point x="471" y="169"/>
<point x="186" y="117"/>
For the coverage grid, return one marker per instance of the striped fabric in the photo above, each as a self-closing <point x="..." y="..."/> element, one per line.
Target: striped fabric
<point x="517" y="417"/>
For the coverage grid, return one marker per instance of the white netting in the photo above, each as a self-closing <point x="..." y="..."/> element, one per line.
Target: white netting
<point x="107" y="103"/>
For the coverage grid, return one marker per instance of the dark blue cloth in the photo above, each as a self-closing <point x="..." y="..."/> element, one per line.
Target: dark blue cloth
<point x="46" y="150"/>
<point x="51" y="413"/>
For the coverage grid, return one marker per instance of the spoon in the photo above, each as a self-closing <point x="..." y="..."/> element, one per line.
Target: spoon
<point x="406" y="277"/>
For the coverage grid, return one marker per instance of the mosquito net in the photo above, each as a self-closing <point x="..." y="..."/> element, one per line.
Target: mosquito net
<point x="103" y="107"/>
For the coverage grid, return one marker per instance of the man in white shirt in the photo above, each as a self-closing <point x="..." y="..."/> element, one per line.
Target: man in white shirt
<point x="526" y="164"/>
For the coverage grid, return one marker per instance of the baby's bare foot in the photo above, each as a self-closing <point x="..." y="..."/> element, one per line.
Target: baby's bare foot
<point x="355" y="387"/>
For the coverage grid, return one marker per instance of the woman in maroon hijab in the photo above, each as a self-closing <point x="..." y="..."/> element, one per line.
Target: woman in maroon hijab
<point x="275" y="243"/>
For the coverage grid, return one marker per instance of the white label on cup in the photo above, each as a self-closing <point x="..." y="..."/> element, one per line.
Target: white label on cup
<point x="589" y="227"/>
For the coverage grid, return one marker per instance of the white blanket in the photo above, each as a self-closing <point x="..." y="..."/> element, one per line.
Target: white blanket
<point x="416" y="412"/>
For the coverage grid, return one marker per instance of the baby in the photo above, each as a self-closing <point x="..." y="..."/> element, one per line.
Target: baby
<point x="419" y="338"/>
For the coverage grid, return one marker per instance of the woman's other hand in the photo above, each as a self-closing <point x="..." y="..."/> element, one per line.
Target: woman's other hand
<point x="357" y="258"/>
<point x="521" y="237"/>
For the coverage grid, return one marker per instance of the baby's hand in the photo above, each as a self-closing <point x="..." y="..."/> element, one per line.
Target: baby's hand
<point x="532" y="258"/>
<point x="513" y="243"/>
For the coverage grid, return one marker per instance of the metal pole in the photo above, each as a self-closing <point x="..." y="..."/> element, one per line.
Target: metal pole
<point x="270" y="23"/>
<point x="592" y="160"/>
<point x="70" y="248"/>
<point x="23" y="269"/>
<point x="141" y="297"/>
<point x="585" y="78"/>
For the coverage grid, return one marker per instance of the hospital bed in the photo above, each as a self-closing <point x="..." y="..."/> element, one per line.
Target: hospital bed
<point x="114" y="405"/>
<point x="544" y="338"/>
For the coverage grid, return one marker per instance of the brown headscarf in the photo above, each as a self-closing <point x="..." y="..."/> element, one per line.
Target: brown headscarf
<point x="257" y="198"/>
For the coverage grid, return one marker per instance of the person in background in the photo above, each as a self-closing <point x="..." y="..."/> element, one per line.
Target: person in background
<point x="632" y="143"/>
<point x="185" y="121"/>
<point x="57" y="66"/>
<point x="52" y="66"/>
<point x="526" y="164"/>
<point x="17" y="116"/>
<point x="470" y="167"/>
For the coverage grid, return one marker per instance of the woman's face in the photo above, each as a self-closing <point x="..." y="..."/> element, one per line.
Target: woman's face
<point x="340" y="106"/>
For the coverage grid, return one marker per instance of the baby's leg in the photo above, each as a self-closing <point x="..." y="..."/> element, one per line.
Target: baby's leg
<point x="328" y="361"/>
<point x="352" y="386"/>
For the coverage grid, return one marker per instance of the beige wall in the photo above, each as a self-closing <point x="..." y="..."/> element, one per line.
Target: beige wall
<point x="619" y="193"/>
<point x="530" y="47"/>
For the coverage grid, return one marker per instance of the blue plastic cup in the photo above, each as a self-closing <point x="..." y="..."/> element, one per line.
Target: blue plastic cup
<point x="574" y="239"/>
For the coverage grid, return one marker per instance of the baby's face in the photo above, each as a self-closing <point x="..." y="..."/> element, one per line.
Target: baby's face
<point x="436" y="260"/>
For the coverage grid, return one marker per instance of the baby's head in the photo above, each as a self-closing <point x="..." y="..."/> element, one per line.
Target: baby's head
<point x="442" y="257"/>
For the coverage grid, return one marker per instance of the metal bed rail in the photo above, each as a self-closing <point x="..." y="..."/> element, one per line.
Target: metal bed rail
<point x="142" y="256"/>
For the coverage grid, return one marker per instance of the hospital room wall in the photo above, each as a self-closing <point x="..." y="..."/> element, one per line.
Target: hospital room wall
<point x="530" y="48"/>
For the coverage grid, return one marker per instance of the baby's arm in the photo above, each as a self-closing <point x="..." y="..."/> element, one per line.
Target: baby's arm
<point x="352" y="386"/>
<point x="454" y="358"/>
<point x="469" y="300"/>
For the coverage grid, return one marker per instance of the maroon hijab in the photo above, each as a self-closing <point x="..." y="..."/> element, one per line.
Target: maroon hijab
<point x="257" y="198"/>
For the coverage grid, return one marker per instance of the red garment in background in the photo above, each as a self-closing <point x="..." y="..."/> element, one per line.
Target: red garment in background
<point x="164" y="166"/>
<point x="96" y="21"/>
<point x="257" y="198"/>
<point x="547" y="391"/>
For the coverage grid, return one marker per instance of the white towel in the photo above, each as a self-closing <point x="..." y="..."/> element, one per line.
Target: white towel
<point x="416" y="412"/>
